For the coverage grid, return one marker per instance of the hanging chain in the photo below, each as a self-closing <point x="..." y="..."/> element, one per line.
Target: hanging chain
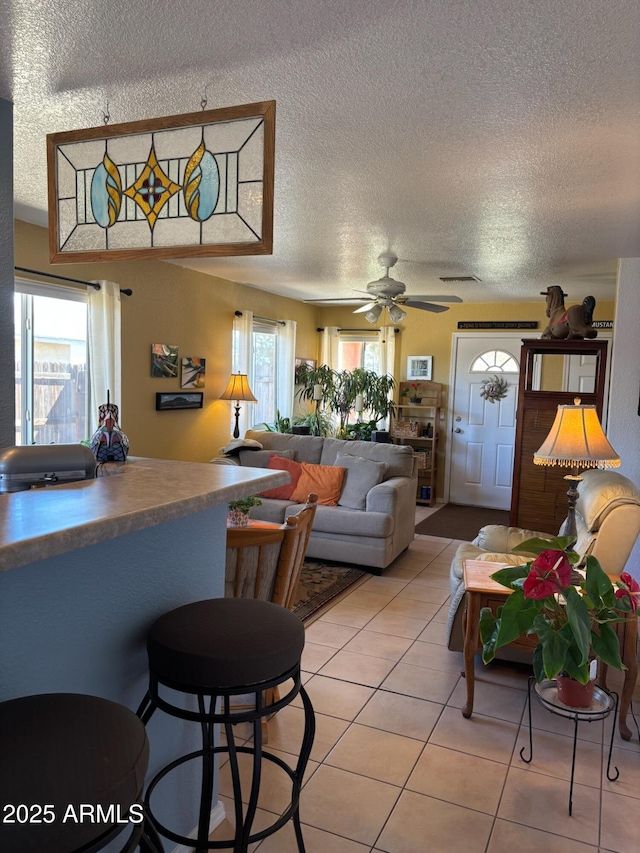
<point x="105" y="115"/>
<point x="203" y="100"/>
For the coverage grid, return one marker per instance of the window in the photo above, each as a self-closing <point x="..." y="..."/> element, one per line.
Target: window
<point x="50" y="364"/>
<point x="359" y="351"/>
<point x="264" y="355"/>
<point x="265" y="351"/>
<point x="495" y="361"/>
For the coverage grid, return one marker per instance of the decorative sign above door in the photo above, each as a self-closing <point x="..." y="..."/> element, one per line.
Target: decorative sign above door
<point x="193" y="185"/>
<point x="498" y="324"/>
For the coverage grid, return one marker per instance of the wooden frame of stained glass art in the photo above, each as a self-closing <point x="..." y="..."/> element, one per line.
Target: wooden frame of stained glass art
<point x="193" y="185"/>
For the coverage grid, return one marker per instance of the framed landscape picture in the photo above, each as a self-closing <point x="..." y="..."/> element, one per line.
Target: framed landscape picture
<point x="419" y="366"/>
<point x="178" y="400"/>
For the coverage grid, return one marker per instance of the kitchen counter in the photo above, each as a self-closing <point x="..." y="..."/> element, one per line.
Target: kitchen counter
<point x="89" y="566"/>
<point x="43" y="522"/>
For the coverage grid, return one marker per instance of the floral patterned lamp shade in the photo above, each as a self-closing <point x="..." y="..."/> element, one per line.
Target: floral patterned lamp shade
<point x="192" y="185"/>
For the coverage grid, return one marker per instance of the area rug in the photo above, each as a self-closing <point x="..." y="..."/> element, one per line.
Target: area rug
<point x="460" y="522"/>
<point x="319" y="583"/>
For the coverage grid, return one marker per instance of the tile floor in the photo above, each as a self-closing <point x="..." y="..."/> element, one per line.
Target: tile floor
<point x="395" y="768"/>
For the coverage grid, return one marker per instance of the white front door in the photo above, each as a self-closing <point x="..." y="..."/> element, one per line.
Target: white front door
<point x="482" y="434"/>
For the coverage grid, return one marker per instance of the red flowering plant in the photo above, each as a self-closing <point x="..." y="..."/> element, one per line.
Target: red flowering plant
<point x="573" y="623"/>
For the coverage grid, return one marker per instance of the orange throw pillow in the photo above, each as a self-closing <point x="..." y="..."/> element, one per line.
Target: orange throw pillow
<point x="324" y="480"/>
<point x="280" y="463"/>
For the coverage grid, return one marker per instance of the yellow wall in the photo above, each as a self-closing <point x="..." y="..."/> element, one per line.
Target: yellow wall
<point x="194" y="311"/>
<point x="423" y="333"/>
<point x="190" y="310"/>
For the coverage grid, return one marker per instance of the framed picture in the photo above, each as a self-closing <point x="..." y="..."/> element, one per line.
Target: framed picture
<point x="193" y="185"/>
<point x="419" y="366"/>
<point x="309" y="362"/>
<point x="164" y="361"/>
<point x="178" y="400"/>
<point x="193" y="370"/>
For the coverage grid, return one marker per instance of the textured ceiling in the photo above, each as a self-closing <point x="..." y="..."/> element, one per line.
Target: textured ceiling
<point x="488" y="137"/>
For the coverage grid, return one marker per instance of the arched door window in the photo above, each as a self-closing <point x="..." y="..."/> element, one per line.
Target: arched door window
<point x="495" y="361"/>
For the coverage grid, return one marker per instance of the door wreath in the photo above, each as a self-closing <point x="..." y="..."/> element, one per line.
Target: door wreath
<point x="494" y="389"/>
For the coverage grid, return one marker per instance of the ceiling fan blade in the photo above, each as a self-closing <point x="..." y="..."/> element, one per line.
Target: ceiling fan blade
<point x="429" y="298"/>
<point x="364" y="308"/>
<point x="331" y="299"/>
<point x="426" y="306"/>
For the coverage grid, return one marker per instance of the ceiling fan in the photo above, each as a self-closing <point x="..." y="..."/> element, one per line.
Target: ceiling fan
<point x="388" y="293"/>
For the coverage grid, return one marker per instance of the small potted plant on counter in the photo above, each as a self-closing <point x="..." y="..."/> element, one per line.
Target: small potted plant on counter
<point x="238" y="511"/>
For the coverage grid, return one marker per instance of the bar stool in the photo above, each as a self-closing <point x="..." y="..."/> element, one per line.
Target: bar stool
<point x="217" y="650"/>
<point x="73" y="769"/>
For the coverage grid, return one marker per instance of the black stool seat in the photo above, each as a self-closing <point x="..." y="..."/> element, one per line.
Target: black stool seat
<point x="224" y="642"/>
<point x="63" y="750"/>
<point x="218" y="650"/>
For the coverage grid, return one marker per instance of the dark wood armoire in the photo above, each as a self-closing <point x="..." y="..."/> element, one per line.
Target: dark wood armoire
<point x="539" y="493"/>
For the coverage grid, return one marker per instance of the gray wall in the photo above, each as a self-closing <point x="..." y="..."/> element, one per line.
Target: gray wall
<point x="623" y="428"/>
<point x="7" y="382"/>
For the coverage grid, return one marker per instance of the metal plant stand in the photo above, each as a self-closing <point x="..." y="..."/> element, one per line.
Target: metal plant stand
<point x="604" y="702"/>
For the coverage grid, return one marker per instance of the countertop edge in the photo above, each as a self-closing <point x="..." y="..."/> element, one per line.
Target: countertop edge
<point x="141" y="510"/>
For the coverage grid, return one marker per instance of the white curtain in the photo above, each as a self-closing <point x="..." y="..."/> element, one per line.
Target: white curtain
<point x="329" y="348"/>
<point x="242" y="362"/>
<point x="103" y="348"/>
<point x="387" y="341"/>
<point x="286" y="367"/>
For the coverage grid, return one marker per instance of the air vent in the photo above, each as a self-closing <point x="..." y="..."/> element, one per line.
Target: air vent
<point x="450" y="278"/>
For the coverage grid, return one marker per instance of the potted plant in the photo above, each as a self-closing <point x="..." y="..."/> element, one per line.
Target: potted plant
<point x="573" y="624"/>
<point x="413" y="393"/>
<point x="340" y="388"/>
<point x="238" y="511"/>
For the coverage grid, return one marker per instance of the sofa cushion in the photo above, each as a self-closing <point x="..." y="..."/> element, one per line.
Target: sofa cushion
<point x="397" y="458"/>
<point x="308" y="448"/>
<point x="273" y="510"/>
<point x="361" y="475"/>
<point x="349" y="522"/>
<point x="260" y="458"/>
<point x="324" y="480"/>
<point x="294" y="469"/>
<point x="500" y="538"/>
<point x="602" y="491"/>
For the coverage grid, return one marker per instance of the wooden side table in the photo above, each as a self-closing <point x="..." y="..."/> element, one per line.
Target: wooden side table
<point x="481" y="592"/>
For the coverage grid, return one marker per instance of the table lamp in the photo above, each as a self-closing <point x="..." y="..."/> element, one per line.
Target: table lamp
<point x="576" y="440"/>
<point x="238" y="390"/>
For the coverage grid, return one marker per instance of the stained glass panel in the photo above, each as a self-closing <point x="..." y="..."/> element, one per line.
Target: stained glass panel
<point x="194" y="185"/>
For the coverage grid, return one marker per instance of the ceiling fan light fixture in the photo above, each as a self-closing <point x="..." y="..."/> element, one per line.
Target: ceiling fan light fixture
<point x="373" y="315"/>
<point x="396" y="313"/>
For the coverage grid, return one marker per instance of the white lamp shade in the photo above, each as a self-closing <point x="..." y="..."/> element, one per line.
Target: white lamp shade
<point x="317" y="392"/>
<point x="373" y="315"/>
<point x="576" y="439"/>
<point x="359" y="405"/>
<point x="396" y="313"/>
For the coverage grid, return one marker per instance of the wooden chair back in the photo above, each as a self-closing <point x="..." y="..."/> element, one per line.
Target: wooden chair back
<point x="266" y="563"/>
<point x="292" y="554"/>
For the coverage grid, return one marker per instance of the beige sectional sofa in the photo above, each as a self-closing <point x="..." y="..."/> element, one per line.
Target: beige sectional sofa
<point x="371" y="536"/>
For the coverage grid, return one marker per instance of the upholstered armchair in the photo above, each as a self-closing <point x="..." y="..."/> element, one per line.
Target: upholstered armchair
<point x="608" y="520"/>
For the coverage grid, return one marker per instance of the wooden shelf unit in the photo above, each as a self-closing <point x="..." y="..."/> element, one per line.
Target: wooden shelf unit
<point x="539" y="493"/>
<point x="409" y="427"/>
